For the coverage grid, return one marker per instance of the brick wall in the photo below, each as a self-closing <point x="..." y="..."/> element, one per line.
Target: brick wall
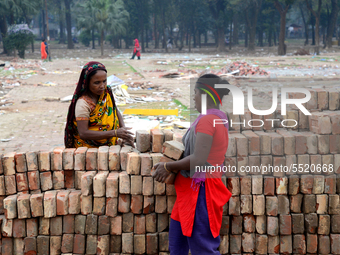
<point x="104" y="201"/>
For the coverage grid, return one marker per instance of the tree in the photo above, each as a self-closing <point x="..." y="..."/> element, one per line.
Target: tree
<point x="217" y="9"/>
<point x="301" y="7"/>
<point x="70" y="44"/>
<point x="283" y="11"/>
<point x="332" y="22"/>
<point x="86" y="18"/>
<point x="316" y="15"/>
<point x="251" y="13"/>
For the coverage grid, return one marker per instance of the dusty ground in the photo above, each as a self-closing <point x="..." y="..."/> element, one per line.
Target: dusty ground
<point x="29" y="122"/>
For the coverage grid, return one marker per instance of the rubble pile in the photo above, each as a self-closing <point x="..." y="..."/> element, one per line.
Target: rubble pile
<point x="243" y="68"/>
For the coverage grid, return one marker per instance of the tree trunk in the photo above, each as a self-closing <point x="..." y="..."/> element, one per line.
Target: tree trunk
<point x="199" y="39"/>
<point x="93" y="44"/>
<point x="270" y="37"/>
<point x="146" y="38"/>
<point x="317" y="35"/>
<point x="275" y="36"/>
<point x="3" y="31"/>
<point x="283" y="11"/>
<point x="206" y="37"/>
<point x="189" y="42"/>
<point x="61" y="24"/>
<point x="68" y="24"/>
<point x="102" y="42"/>
<point x="182" y="40"/>
<point x="332" y="22"/>
<point x="246" y="37"/>
<point x="261" y="37"/>
<point x="163" y="28"/>
<point x="187" y="38"/>
<point x="230" y="34"/>
<point x="44" y="24"/>
<point x="236" y="29"/>
<point x="221" y="40"/>
<point x="155" y="32"/>
<point x="305" y="24"/>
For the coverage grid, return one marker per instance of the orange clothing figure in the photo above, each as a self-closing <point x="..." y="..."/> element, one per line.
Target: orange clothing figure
<point x="43" y="50"/>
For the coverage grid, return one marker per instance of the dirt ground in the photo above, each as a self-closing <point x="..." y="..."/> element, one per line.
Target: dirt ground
<point x="33" y="118"/>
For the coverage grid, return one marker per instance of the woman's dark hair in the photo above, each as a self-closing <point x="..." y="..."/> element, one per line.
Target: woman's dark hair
<point x="208" y="81"/>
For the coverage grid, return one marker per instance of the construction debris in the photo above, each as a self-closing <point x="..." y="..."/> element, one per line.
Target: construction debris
<point x="243" y="68"/>
<point x="301" y="52"/>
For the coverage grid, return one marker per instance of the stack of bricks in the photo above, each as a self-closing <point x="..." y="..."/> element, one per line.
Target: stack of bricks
<point x="105" y="201"/>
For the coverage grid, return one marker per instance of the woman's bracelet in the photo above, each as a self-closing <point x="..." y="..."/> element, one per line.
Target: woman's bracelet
<point x="166" y="168"/>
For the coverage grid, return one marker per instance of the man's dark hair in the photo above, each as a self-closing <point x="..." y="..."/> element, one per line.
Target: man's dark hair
<point x="208" y="81"/>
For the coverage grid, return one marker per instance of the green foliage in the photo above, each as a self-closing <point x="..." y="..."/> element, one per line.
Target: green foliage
<point x="18" y="38"/>
<point x="85" y="37"/>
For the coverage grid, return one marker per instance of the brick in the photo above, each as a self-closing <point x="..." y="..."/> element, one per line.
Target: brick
<point x="9" y="163"/>
<point x="334" y="141"/>
<point x="139" y="224"/>
<point x="116" y="244"/>
<point x="7" y="246"/>
<point x="79" y="224"/>
<point x="236" y="225"/>
<point x="272" y="226"/>
<point x="278" y="163"/>
<point x="306" y="184"/>
<point x="112" y="185"/>
<point x="246" y="204"/>
<point x="241" y="145"/>
<point x="44" y="158"/>
<point x="127" y="242"/>
<point x="259" y="201"/>
<point x="63" y="202"/>
<point x="321" y="204"/>
<point x="294" y="184"/>
<point x="136" y="185"/>
<point x="234" y="206"/>
<point x="230" y="163"/>
<point x="103" y="225"/>
<point x="7" y="227"/>
<point x="19" y="228"/>
<point x="86" y="204"/>
<point x="309" y="204"/>
<point x="128" y="222"/>
<point x="70" y="179"/>
<point x="33" y="180"/>
<point x="50" y="204"/>
<point x="32" y="161"/>
<point x="55" y="244"/>
<point x="146" y="164"/>
<point x="23" y="203"/>
<point x="43" y="244"/>
<point x="137" y="204"/>
<point x="123" y="156"/>
<point x="99" y="205"/>
<point x="46" y="181"/>
<point x="142" y="140"/>
<point x="334" y="207"/>
<point x="324" y="245"/>
<point x="276" y="144"/>
<point x="173" y="149"/>
<point x="124" y="183"/>
<point x="324" y="224"/>
<point x="152" y="243"/>
<point x="231" y="151"/>
<point x="249" y="223"/>
<point x="74" y="206"/>
<point x="114" y="158"/>
<point x="273" y="244"/>
<point x="248" y="242"/>
<point x="335" y="120"/>
<point x="148" y="186"/>
<point x="79" y="244"/>
<point x="168" y="135"/>
<point x="335" y="243"/>
<point x="30" y="244"/>
<point x="330" y="184"/>
<point x="67" y="243"/>
<point x="299" y="244"/>
<point x="56" y="226"/>
<point x="261" y="245"/>
<point x="272" y="205"/>
<point x="87" y="183"/>
<point x="233" y="185"/>
<point x="148" y="204"/>
<point x="265" y="142"/>
<point x="261" y="224"/>
<point x="133" y="163"/>
<point x="68" y="224"/>
<point x="323" y="144"/>
<point x="36" y="201"/>
<point x="10" y="185"/>
<point x="226" y="225"/>
<point x="318" y="184"/>
<point x="58" y="180"/>
<point x="10" y="206"/>
<point x="311" y="223"/>
<point x="111" y="206"/>
<point x="124" y="203"/>
<point x="285" y="225"/>
<point x="235" y="244"/>
<point x="157" y="137"/>
<point x="22" y="182"/>
<point x="150" y="223"/>
<point x="298" y="223"/>
<point x="254" y="162"/>
<point x="286" y="245"/>
<point x="57" y="159"/>
<point x="91" y="224"/>
<point x="20" y="162"/>
<point x="290" y="161"/>
<point x="68" y="159"/>
<point x="253" y="142"/>
<point x="268" y="186"/>
<point x="103" y="245"/>
<point x="91" y="159"/>
<point x="281" y="185"/>
<point x="163" y="241"/>
<point x="162" y="222"/>
<point x="288" y="142"/>
<point x="79" y="158"/>
<point x="158" y="188"/>
<point x="99" y="184"/>
<point x="91" y="244"/>
<point x="32" y="227"/>
<point x="103" y="158"/>
<point x="283" y="204"/>
<point x="116" y="225"/>
<point x="2" y="186"/>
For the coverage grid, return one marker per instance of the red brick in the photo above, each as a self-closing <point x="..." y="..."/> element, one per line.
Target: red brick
<point x="269" y="186"/>
<point x="67" y="243"/>
<point x="58" y="180"/>
<point x="248" y="242"/>
<point x="286" y="245"/>
<point x="103" y="245"/>
<point x="68" y="224"/>
<point x="56" y="226"/>
<point x="44" y="158"/>
<point x="10" y="185"/>
<point x="19" y="228"/>
<point x="103" y="225"/>
<point x="311" y="223"/>
<point x="245" y="182"/>
<point x="79" y="244"/>
<point x="235" y="244"/>
<point x="272" y="226"/>
<point x="7" y="246"/>
<point x="116" y="225"/>
<point x="236" y="225"/>
<point x="32" y="227"/>
<point x="23" y="203"/>
<point x="91" y="159"/>
<point x="149" y="204"/>
<point x="68" y="159"/>
<point x="139" y="224"/>
<point x="79" y="158"/>
<point x="63" y="202"/>
<point x="114" y="158"/>
<point x="261" y="246"/>
<point x="20" y="162"/>
<point x="249" y="223"/>
<point x="157" y="137"/>
<point x="324" y="225"/>
<point x="324" y="245"/>
<point x="152" y="243"/>
<point x="87" y="183"/>
<point x="137" y="204"/>
<point x="146" y="164"/>
<point x="142" y="140"/>
<point x="112" y="185"/>
<point x="99" y="205"/>
<point x="10" y="206"/>
<point x="103" y="158"/>
<point x="46" y="181"/>
<point x="8" y="163"/>
<point x="30" y="244"/>
<point x="22" y="183"/>
<point x="50" y="204"/>
<point x="330" y="184"/>
<point x="33" y="180"/>
<point x="111" y="206"/>
<point x="233" y="185"/>
<point x="36" y="201"/>
<point x="86" y="204"/>
<point x="32" y="161"/>
<point x="123" y="203"/>
<point x="74" y="206"/>
<point x="128" y="222"/>
<point x="57" y="159"/>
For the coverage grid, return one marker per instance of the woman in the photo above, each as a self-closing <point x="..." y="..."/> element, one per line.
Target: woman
<point x="196" y="217"/>
<point x="43" y="50"/>
<point x="136" y="50"/>
<point x="93" y="119"/>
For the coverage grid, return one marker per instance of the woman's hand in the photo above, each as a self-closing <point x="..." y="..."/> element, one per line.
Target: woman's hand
<point x="160" y="174"/>
<point x="126" y="135"/>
